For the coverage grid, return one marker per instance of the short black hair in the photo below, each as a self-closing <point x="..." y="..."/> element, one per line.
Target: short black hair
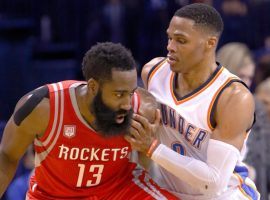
<point x="203" y="15"/>
<point x="99" y="61"/>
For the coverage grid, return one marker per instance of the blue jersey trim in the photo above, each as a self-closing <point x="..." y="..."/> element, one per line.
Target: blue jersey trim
<point x="251" y="192"/>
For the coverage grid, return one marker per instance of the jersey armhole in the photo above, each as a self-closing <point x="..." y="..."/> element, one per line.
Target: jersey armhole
<point x="213" y="105"/>
<point x="153" y="70"/>
<point x="52" y="101"/>
<point x="30" y="104"/>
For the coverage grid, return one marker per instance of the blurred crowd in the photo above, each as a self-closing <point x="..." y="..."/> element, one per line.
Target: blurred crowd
<point x="44" y="41"/>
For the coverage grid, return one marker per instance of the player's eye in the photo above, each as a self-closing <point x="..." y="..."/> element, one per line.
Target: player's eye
<point x="181" y="41"/>
<point x="119" y="94"/>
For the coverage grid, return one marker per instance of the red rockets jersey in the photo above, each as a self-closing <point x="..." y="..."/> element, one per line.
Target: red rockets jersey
<point x="72" y="160"/>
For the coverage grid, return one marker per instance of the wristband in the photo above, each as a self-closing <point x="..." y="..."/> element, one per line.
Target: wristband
<point x="152" y="148"/>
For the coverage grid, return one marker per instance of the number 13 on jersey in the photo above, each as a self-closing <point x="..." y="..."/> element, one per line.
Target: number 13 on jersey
<point x="96" y="178"/>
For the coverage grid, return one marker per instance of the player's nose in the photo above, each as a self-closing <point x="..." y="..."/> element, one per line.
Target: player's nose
<point x="126" y="103"/>
<point x="171" y="46"/>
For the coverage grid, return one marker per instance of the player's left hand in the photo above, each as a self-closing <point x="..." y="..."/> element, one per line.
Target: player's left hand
<point x="142" y="132"/>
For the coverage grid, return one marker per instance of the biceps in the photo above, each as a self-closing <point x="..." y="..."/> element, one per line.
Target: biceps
<point x="15" y="141"/>
<point x="233" y="122"/>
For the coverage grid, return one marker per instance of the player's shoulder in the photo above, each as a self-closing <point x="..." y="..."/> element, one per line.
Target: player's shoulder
<point x="33" y="97"/>
<point x="238" y="90"/>
<point x="33" y="105"/>
<point x="237" y="95"/>
<point x="149" y="66"/>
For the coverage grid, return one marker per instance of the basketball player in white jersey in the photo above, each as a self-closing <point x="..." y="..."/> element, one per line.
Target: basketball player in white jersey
<point x="206" y="113"/>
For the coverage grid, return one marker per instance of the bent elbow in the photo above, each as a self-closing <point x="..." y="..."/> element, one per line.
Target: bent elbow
<point x="213" y="186"/>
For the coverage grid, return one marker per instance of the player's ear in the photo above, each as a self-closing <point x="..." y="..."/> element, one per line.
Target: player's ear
<point x="93" y="86"/>
<point x="211" y="42"/>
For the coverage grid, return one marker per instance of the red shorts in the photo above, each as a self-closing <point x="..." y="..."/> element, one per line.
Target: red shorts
<point x="141" y="188"/>
<point x="138" y="186"/>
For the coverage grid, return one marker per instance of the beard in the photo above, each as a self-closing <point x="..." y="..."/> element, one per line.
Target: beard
<point x="105" y="118"/>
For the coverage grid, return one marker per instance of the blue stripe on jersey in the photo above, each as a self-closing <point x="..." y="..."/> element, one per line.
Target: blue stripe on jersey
<point x="242" y="171"/>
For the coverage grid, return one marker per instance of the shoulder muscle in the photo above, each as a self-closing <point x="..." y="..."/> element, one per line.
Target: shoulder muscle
<point x="28" y="103"/>
<point x="234" y="114"/>
<point x="33" y="122"/>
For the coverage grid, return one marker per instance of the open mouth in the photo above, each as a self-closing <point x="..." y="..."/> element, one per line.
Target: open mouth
<point x="120" y="118"/>
<point x="171" y="60"/>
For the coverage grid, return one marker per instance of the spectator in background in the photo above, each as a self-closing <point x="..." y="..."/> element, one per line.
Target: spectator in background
<point x="238" y="59"/>
<point x="209" y="2"/>
<point x="236" y="17"/>
<point x="153" y="40"/>
<point x="113" y="16"/>
<point x="262" y="56"/>
<point x="263" y="94"/>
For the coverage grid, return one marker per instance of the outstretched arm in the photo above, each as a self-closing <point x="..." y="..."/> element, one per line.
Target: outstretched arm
<point x="233" y="115"/>
<point x="26" y="123"/>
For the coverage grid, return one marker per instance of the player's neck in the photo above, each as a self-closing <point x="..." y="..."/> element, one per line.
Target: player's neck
<point x="188" y="82"/>
<point x="84" y="101"/>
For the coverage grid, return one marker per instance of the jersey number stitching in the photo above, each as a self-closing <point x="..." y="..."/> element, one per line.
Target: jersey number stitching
<point x="92" y="168"/>
<point x="179" y="148"/>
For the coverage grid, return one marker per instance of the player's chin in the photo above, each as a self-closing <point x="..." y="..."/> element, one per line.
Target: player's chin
<point x="177" y="68"/>
<point x="174" y="66"/>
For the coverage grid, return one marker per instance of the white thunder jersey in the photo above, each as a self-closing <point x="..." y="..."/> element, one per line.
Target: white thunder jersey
<point x="187" y="124"/>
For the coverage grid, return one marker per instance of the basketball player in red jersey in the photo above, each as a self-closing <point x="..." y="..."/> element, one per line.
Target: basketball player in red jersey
<point x="78" y="132"/>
